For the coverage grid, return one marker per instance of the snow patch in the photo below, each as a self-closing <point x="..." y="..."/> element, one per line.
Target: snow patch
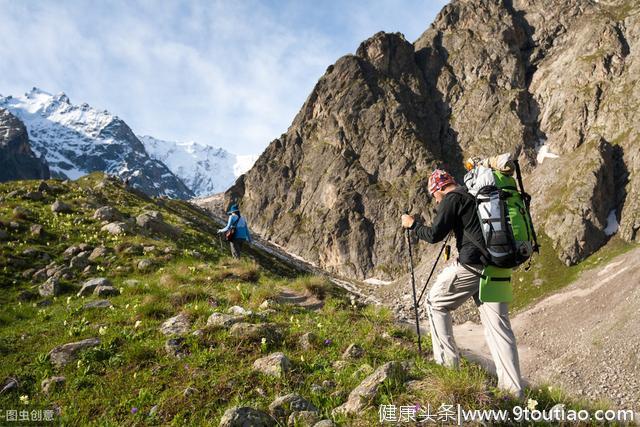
<point x="374" y="281"/>
<point x="612" y="224"/>
<point x="543" y="152"/>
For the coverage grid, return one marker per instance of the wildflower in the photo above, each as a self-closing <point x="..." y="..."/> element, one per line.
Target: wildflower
<point x="24" y="399"/>
<point x="327" y="341"/>
<point x="126" y="306"/>
<point x="65" y="322"/>
<point x="68" y="300"/>
<point x="531" y="404"/>
<point x="319" y="325"/>
<point x="302" y="358"/>
<point x="138" y="323"/>
<point x="102" y="330"/>
<point x="134" y="410"/>
<point x="263" y="341"/>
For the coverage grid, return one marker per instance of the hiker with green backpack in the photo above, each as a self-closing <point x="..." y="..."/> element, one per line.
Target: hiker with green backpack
<point x="469" y="275"/>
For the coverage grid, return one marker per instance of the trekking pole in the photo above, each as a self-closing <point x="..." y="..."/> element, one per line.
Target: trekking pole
<point x="413" y="286"/>
<point x="444" y="245"/>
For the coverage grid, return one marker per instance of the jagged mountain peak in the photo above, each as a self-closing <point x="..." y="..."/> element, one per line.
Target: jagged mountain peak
<point x="79" y="139"/>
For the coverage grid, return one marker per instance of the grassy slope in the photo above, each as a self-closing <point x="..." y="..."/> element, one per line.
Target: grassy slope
<point x="131" y="369"/>
<point x="548" y="274"/>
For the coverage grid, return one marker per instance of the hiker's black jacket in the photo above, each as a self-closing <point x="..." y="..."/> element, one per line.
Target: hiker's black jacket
<point x="456" y="212"/>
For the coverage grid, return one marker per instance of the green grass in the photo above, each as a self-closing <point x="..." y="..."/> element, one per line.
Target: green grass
<point x="130" y="369"/>
<point x="548" y="274"/>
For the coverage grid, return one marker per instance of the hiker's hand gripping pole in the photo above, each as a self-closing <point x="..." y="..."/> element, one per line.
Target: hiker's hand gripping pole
<point x="413" y="287"/>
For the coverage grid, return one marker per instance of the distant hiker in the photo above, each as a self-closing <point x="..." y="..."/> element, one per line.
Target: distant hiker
<point x="236" y="232"/>
<point x="460" y="281"/>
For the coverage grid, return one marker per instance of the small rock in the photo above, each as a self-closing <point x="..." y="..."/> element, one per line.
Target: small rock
<point x="176" y="325"/>
<point x="101" y="303"/>
<point x="106" y="291"/>
<point x="283" y="406"/>
<point x="71" y="251"/>
<point x="43" y="186"/>
<point x="366" y="392"/>
<point x="246" y="417"/>
<point x="223" y="320"/>
<point x="50" y="288"/>
<point x="197" y="333"/>
<point x="107" y="213"/>
<point x="79" y="262"/>
<point x="37" y="231"/>
<point x="325" y="423"/>
<point x="145" y="264"/>
<point x="63" y="354"/>
<point x="354" y="351"/>
<point x="153" y="221"/>
<point x="153" y="411"/>
<point x="98" y="252"/>
<point x="239" y="311"/>
<point x="90" y="285"/>
<point x="176" y="347"/>
<point x="117" y="228"/>
<point x="275" y="364"/>
<point x="309" y="341"/>
<point x="34" y="195"/>
<point x="60" y="207"/>
<point x="255" y="332"/>
<point x="9" y="385"/>
<point x="52" y="384"/>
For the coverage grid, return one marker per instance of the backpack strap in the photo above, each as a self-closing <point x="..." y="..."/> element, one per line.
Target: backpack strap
<point x="472" y="271"/>
<point x="477" y="244"/>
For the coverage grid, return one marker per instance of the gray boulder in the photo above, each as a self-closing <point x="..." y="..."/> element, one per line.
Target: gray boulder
<point x="283" y="406"/>
<point x="255" y="332"/>
<point x="354" y="351"/>
<point x="106" y="291"/>
<point x="63" y="354"/>
<point x="60" y="207"/>
<point x="102" y="303"/>
<point x="363" y="395"/>
<point x="52" y="384"/>
<point x="154" y="222"/>
<point x="276" y="364"/>
<point x="176" y="325"/>
<point x="246" y="417"/>
<point x="223" y="320"/>
<point x="90" y="285"/>
<point x="117" y="228"/>
<point x="50" y="288"/>
<point x="107" y="213"/>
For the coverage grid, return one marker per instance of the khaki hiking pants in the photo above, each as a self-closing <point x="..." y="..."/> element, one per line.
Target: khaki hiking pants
<point x="453" y="286"/>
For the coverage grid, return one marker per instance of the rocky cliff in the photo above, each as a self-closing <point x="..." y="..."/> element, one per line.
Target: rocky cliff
<point x="17" y="160"/>
<point x="488" y="76"/>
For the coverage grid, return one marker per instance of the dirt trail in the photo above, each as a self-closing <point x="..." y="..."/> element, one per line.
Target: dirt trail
<point x="585" y="339"/>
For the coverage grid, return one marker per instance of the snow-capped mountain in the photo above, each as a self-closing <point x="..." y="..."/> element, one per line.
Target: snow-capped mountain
<point x="76" y="140"/>
<point x="204" y="169"/>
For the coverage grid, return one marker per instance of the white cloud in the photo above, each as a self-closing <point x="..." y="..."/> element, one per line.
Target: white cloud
<point x="230" y="74"/>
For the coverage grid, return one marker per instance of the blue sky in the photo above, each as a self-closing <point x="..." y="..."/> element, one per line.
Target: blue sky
<point x="230" y="73"/>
